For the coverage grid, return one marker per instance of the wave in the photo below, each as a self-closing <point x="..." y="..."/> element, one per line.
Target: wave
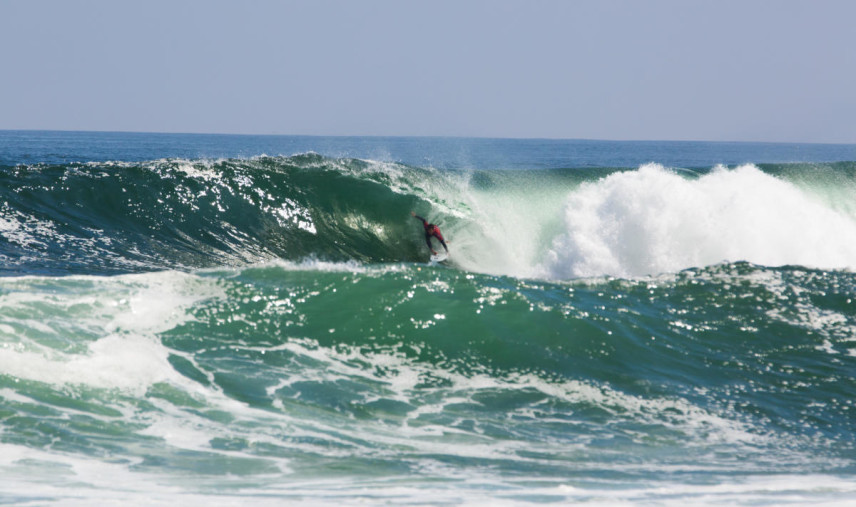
<point x="270" y="331"/>
<point x="120" y="217"/>
<point x="102" y="218"/>
<point x="416" y="364"/>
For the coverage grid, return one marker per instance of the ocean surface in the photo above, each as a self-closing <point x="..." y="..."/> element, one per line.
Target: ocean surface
<point x="253" y="320"/>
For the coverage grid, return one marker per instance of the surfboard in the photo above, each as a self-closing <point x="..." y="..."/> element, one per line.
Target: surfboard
<point x="440" y="257"/>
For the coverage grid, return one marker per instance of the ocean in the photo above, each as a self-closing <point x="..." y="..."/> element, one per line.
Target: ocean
<point x="253" y="320"/>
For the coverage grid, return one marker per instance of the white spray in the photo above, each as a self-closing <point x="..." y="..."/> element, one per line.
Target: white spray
<point x="654" y="220"/>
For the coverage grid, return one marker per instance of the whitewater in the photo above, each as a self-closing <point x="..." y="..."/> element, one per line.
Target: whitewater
<point x="189" y="318"/>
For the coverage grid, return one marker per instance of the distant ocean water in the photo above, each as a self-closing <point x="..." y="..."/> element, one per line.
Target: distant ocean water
<point x="252" y="320"/>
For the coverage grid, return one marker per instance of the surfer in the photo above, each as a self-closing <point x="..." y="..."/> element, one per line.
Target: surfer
<point x="431" y="230"/>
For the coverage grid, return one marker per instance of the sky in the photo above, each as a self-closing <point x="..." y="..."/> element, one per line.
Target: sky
<point x="747" y="70"/>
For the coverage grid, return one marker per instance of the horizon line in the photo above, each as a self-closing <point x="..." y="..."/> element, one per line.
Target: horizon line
<point x="435" y="136"/>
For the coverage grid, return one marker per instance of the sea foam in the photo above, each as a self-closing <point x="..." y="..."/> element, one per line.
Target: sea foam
<point x="654" y="220"/>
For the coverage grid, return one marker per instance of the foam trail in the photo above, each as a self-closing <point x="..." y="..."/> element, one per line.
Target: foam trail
<point x="117" y="319"/>
<point x="653" y="220"/>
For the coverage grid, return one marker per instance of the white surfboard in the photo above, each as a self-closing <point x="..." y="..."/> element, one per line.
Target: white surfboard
<point x="440" y="257"/>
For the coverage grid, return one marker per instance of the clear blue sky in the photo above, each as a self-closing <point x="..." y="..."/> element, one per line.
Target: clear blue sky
<point x="747" y="70"/>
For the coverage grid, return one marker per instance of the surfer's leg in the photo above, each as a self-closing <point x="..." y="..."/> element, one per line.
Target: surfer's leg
<point x="440" y="239"/>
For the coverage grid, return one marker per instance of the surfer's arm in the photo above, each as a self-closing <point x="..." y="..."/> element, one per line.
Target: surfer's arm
<point x="419" y="218"/>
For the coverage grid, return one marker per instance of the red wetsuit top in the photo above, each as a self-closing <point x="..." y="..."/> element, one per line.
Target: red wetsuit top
<point x="432" y="230"/>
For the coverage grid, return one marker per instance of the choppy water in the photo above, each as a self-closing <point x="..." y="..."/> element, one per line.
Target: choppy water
<point x="233" y="327"/>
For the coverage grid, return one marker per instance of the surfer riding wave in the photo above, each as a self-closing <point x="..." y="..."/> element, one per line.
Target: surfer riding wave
<point x="431" y="230"/>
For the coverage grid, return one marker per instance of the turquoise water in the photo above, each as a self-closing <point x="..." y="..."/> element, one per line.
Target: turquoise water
<point x="261" y="325"/>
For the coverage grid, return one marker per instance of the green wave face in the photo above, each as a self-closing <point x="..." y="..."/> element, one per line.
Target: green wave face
<point x="177" y="214"/>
